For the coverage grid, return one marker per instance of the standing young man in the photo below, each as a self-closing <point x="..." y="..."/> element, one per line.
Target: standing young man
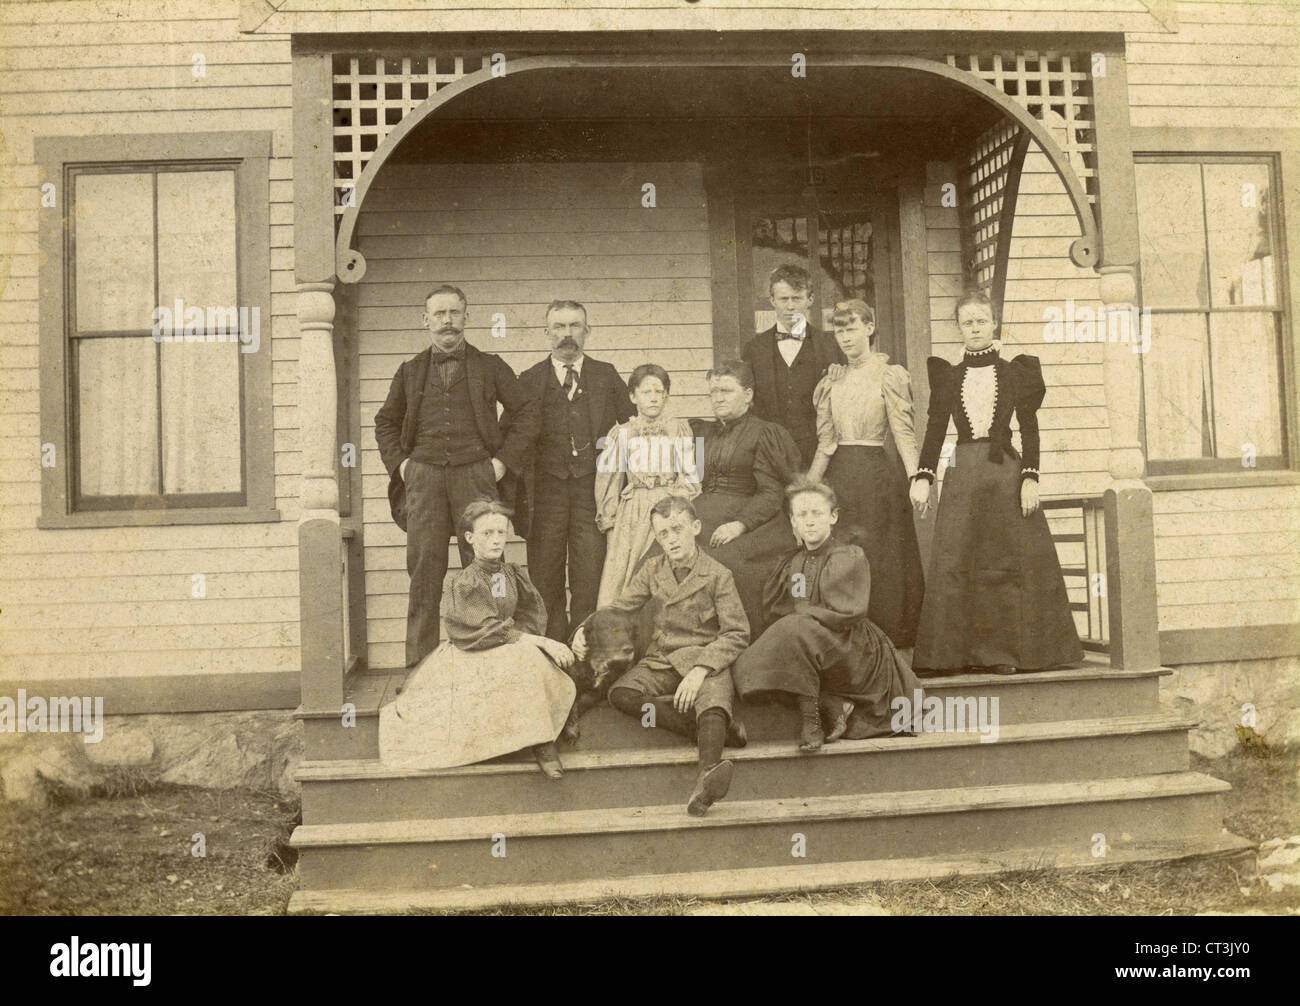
<point x="790" y="358"/>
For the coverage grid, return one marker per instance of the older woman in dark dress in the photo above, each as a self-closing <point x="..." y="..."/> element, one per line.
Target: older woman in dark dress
<point x="745" y="465"/>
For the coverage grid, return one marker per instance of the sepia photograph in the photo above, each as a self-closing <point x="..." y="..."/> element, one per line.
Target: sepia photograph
<point x="651" y="458"/>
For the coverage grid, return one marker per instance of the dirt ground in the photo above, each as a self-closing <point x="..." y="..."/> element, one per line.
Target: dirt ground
<point x="134" y="854"/>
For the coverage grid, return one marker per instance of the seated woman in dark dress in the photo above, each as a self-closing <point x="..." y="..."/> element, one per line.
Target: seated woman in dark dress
<point x="744" y="468"/>
<point x="818" y="643"/>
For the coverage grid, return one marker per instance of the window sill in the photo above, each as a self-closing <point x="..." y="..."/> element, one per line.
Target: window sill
<point x="1223" y="480"/>
<point x="159" y="518"/>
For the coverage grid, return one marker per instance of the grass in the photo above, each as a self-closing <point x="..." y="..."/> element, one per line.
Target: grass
<point x="130" y="853"/>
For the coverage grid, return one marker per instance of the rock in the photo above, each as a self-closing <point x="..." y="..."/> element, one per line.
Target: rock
<point x="122" y="748"/>
<point x="57" y="764"/>
<point x="19" y="779"/>
<point x="220" y="764"/>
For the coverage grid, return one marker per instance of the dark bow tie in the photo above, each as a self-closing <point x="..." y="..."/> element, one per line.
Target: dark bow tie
<point x="782" y="336"/>
<point x="458" y="354"/>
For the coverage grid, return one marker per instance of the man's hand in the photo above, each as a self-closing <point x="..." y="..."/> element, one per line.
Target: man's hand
<point x="726" y="532"/>
<point x="579" y="644"/>
<point x="1028" y="497"/>
<point x="498" y="470"/>
<point x="689" y="689"/>
<point x="920" y="495"/>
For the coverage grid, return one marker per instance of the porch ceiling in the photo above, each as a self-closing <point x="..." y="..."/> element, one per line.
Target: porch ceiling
<point x="725" y="92"/>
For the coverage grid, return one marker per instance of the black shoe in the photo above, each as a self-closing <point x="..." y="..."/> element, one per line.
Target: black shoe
<point x="737" y="737"/>
<point x="810" y="725"/>
<point x="835" y="716"/>
<point x="548" y="760"/>
<point x="1000" y="669"/>
<point x="711" y="785"/>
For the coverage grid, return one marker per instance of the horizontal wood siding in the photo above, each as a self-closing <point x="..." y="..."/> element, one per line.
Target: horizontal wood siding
<point x="118" y="602"/>
<point x="1227" y="557"/>
<point x="515" y="237"/>
<point x="1229" y="64"/>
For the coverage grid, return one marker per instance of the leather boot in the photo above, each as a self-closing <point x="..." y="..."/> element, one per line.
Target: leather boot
<point x="835" y="716"/>
<point x="548" y="760"/>
<point x="810" y="732"/>
<point x="710" y="785"/>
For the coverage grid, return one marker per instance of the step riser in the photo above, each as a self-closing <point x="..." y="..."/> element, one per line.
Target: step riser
<point x="1060" y="760"/>
<point x="1043" y="701"/>
<point x="556" y="859"/>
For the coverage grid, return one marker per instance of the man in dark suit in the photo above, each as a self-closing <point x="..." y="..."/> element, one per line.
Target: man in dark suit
<point x="577" y="400"/>
<point x="790" y="358"/>
<point x="444" y="446"/>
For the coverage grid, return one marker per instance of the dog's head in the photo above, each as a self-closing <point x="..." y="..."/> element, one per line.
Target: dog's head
<point x="610" y="650"/>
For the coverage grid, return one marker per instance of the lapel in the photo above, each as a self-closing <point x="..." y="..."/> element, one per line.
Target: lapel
<point x="666" y="585"/>
<point x="764" y="362"/>
<point x="475" y="374"/>
<point x="415" y="393"/>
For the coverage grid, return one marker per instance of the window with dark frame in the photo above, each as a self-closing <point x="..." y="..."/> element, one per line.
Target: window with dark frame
<point x="1213" y="385"/>
<point x="154" y="323"/>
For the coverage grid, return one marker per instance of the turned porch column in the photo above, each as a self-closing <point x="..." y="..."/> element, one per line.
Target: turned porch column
<point x="320" y="534"/>
<point x="1130" y="530"/>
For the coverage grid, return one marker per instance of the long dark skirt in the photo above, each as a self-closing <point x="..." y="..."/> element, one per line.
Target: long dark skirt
<point x="800" y="656"/>
<point x="872" y="490"/>
<point x="752" y="556"/>
<point x="995" y="593"/>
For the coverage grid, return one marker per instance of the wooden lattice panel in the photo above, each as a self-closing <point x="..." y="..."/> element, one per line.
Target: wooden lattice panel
<point x="983" y="192"/>
<point x="1056" y="88"/>
<point x="372" y="94"/>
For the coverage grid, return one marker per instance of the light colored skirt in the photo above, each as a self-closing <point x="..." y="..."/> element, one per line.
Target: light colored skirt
<point x="460" y="707"/>
<point x="629" y="539"/>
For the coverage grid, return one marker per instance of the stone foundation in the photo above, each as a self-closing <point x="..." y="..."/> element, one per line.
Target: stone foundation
<point x="1216" y="696"/>
<point x="258" y="749"/>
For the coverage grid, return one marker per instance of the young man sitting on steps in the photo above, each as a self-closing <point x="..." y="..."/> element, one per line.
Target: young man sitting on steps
<point x="699" y="630"/>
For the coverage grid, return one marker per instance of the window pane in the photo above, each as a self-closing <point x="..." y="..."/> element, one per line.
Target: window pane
<point x="1241" y="245"/>
<point x="1172" y="235"/>
<point x="114" y="252"/>
<point x="201" y="418"/>
<point x="196" y="239"/>
<point x="1175" y="382"/>
<point x="846" y="267"/>
<point x="117" y="431"/>
<point x="1247" y="397"/>
<point x="775" y="241"/>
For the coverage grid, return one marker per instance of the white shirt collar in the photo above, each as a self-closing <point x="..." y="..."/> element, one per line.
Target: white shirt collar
<point x="558" y="367"/>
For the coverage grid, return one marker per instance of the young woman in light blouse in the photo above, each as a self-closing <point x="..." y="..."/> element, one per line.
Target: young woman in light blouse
<point x="856" y="406"/>
<point x="995" y="600"/>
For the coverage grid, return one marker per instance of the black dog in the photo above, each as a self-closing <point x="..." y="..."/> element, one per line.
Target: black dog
<point x="610" y="651"/>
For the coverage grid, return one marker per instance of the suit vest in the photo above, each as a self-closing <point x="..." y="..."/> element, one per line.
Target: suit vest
<point x="566" y="447"/>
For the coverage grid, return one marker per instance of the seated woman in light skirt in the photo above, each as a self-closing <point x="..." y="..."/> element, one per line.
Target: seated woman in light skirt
<point x="494" y="685"/>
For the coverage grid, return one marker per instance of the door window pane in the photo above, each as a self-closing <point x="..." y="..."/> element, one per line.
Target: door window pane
<point x="114" y="252"/>
<point x="847" y="265"/>
<point x="1172" y="238"/>
<point x="117" y="404"/>
<point x="774" y="242"/>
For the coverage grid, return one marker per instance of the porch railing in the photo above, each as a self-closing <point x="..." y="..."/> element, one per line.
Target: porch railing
<point x="1079" y="532"/>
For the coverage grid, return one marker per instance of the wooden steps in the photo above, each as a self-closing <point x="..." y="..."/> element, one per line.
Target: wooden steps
<point x="1079" y="753"/>
<point x="633" y="841"/>
<point x="365" y="790"/>
<point x="756" y="881"/>
<point x="1091" y="691"/>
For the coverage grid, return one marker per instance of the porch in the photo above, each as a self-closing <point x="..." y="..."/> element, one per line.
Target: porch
<point x="532" y="184"/>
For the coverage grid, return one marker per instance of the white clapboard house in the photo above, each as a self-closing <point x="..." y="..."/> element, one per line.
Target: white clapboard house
<point x="199" y="527"/>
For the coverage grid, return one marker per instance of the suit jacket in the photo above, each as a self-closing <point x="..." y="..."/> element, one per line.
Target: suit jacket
<point x="758" y="353"/>
<point x="607" y="402"/>
<point x="491" y="381"/>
